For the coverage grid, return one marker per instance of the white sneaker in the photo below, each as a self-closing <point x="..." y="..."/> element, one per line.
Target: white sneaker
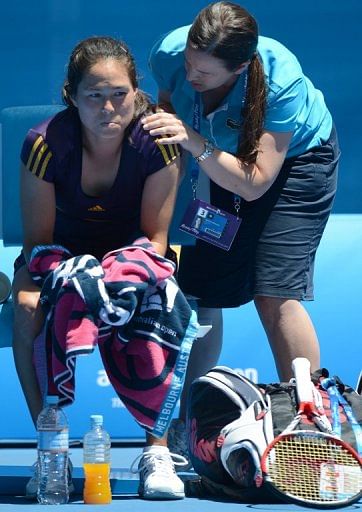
<point x="31" y="488"/>
<point x="158" y="479"/>
<point x="177" y="442"/>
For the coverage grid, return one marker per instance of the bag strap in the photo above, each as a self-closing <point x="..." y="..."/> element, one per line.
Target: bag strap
<point x="337" y="399"/>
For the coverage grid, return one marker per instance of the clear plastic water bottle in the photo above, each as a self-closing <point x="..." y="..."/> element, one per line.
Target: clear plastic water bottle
<point x="53" y="453"/>
<point x="96" y="463"/>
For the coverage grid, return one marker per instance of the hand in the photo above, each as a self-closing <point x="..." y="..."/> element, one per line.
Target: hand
<point x="169" y="129"/>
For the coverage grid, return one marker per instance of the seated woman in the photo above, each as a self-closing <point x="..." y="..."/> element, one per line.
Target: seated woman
<point x="93" y="180"/>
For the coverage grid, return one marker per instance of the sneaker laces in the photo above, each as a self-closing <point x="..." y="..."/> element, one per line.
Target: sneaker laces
<point x="162" y="462"/>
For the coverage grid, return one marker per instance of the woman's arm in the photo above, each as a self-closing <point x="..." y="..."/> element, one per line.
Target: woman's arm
<point x="250" y="181"/>
<point x="38" y="211"/>
<point x="158" y="201"/>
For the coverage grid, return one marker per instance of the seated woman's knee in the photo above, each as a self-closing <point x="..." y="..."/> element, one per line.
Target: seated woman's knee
<point x="28" y="317"/>
<point x="25" y="294"/>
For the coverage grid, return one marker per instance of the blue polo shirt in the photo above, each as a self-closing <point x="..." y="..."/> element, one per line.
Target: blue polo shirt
<point x="293" y="103"/>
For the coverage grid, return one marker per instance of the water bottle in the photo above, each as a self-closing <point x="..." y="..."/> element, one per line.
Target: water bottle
<point x="96" y="463"/>
<point x="53" y="434"/>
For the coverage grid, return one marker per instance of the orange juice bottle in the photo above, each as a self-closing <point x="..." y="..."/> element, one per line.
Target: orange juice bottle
<point x="96" y="463"/>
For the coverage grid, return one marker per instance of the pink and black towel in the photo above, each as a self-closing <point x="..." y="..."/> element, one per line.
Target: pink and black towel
<point x="132" y="308"/>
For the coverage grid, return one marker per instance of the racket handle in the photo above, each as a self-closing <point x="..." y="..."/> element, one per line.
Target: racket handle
<point x="301" y="371"/>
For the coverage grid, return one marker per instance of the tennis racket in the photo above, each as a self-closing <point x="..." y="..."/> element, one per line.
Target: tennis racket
<point x="307" y="467"/>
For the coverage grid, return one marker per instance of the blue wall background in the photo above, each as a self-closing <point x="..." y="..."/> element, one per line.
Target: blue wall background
<point x="36" y="39"/>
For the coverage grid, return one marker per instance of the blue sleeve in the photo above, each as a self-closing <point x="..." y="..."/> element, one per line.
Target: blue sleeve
<point x="284" y="107"/>
<point x="158" y="65"/>
<point x="167" y="57"/>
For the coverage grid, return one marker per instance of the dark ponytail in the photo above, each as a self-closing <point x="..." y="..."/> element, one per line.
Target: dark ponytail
<point x="253" y="113"/>
<point x="230" y="33"/>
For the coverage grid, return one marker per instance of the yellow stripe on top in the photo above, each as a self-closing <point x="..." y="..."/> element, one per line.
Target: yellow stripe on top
<point x="33" y="149"/>
<point x="169" y="152"/>
<point x="40" y="153"/>
<point x="164" y="153"/>
<point x="172" y="148"/>
<point x="44" y="164"/>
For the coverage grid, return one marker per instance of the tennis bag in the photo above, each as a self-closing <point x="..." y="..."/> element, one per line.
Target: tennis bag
<point x="231" y="420"/>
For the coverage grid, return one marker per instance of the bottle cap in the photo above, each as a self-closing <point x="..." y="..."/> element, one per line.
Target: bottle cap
<point x="96" y="419"/>
<point x="5" y="287"/>
<point x="51" y="399"/>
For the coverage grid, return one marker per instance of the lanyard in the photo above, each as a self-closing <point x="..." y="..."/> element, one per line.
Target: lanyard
<point x="196" y="124"/>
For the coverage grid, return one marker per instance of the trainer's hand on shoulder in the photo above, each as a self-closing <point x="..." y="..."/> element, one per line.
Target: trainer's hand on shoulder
<point x="169" y="129"/>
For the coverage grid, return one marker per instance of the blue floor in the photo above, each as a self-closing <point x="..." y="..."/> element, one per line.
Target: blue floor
<point x="15" y="470"/>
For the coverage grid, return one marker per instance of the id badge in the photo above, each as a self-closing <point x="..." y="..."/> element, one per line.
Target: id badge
<point x="210" y="224"/>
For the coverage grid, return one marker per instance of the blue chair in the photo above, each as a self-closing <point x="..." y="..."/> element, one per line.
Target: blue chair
<point x="15" y="122"/>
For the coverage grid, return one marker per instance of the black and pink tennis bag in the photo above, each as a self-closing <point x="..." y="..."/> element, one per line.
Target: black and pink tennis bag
<point x="228" y="416"/>
<point x="231" y="420"/>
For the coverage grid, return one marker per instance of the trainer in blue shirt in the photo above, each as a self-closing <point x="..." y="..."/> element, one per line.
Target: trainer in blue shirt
<point x="260" y="135"/>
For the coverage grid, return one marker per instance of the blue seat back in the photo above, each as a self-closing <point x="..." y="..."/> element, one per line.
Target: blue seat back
<point x="15" y="122"/>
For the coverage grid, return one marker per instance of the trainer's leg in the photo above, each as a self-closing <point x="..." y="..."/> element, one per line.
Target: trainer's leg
<point x="28" y="321"/>
<point x="205" y="351"/>
<point x="290" y="333"/>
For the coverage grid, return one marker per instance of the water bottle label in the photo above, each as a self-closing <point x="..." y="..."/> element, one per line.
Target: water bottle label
<point x="53" y="441"/>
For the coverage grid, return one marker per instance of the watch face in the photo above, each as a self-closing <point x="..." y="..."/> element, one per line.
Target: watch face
<point x="209" y="149"/>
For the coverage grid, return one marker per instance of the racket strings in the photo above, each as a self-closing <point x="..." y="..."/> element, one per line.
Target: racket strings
<point x="314" y="469"/>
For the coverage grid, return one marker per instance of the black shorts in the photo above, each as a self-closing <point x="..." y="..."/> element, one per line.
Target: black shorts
<point x="274" y="250"/>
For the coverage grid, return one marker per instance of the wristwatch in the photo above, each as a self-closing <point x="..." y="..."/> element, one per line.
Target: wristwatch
<point x="208" y="151"/>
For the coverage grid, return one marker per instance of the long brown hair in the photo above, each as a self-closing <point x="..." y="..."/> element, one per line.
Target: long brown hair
<point x="229" y="32"/>
<point x="87" y="53"/>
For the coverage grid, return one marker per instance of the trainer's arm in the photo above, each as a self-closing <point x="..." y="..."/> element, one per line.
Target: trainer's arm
<point x="250" y="181"/>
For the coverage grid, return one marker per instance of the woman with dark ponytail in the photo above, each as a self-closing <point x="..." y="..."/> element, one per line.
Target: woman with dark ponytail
<point x="259" y="134"/>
